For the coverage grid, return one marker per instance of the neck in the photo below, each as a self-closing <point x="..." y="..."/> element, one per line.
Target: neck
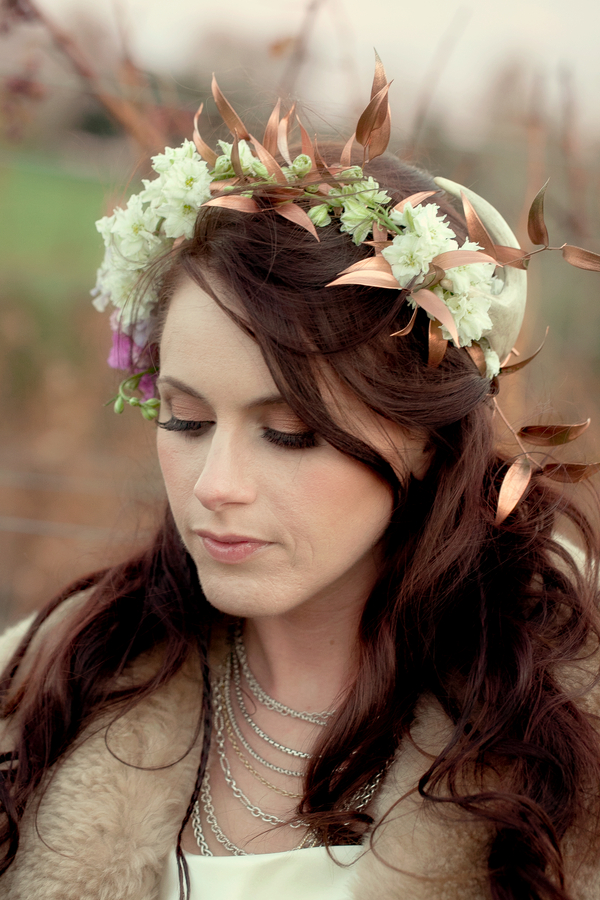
<point x="304" y="660"/>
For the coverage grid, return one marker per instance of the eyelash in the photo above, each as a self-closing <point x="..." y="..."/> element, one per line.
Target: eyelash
<point x="300" y="440"/>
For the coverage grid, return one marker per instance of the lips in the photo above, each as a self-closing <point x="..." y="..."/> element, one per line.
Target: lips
<point x="230" y="548"/>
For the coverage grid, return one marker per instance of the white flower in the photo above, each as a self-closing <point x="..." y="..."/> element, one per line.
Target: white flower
<point x="186" y="182"/>
<point x="179" y="219"/>
<point x="409" y="256"/>
<point x="113" y="285"/>
<point x="470" y="314"/>
<point x="492" y="361"/>
<point x="356" y="219"/>
<point x="185" y="187"/>
<point x="300" y="166"/>
<point x="365" y="191"/>
<point x="132" y="230"/>
<point x="250" y="164"/>
<point x="152" y="192"/>
<point x="353" y="172"/>
<point x="164" y="161"/>
<point x="425" y="221"/>
<point x="319" y="215"/>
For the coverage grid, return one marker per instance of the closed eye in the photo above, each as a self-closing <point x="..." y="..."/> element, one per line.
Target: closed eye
<point x="289" y="440"/>
<point x="298" y="440"/>
<point x="174" y="424"/>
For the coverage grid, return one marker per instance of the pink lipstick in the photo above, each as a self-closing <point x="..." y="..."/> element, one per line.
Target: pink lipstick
<point x="230" y="548"/>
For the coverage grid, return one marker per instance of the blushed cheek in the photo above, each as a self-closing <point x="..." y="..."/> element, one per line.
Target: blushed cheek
<point x="356" y="502"/>
<point x="175" y="472"/>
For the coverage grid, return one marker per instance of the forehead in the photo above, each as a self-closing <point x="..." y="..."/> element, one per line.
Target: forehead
<point x="201" y="343"/>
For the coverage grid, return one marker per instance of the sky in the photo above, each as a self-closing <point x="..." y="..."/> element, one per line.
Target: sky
<point x="465" y="43"/>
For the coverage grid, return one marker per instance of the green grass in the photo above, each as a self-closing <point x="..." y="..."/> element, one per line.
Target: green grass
<point x="49" y="246"/>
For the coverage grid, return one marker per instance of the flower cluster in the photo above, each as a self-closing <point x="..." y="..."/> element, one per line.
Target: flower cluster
<point x="360" y="200"/>
<point x="166" y="209"/>
<point x="135" y="236"/>
<point x="421" y="234"/>
<point x="467" y="290"/>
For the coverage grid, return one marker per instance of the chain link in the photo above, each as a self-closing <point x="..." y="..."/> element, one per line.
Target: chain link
<point x="264" y="698"/>
<point x="225" y="722"/>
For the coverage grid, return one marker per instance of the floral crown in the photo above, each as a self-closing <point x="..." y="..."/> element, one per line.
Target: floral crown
<point x="473" y="294"/>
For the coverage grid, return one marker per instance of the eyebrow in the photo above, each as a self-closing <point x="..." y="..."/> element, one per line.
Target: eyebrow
<point x="267" y="400"/>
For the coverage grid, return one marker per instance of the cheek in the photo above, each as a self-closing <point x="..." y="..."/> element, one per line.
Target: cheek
<point x="176" y="468"/>
<point x="345" y="499"/>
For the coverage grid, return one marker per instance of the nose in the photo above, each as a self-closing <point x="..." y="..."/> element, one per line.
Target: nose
<point x="225" y="477"/>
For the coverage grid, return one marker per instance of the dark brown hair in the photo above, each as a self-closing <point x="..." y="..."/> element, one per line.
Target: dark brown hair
<point x="477" y="616"/>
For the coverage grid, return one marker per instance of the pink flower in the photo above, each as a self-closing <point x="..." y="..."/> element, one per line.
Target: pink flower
<point x="126" y="354"/>
<point x="146" y="386"/>
<point x="121" y="354"/>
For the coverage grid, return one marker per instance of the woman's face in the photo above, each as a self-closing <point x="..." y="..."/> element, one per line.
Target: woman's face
<point x="275" y="518"/>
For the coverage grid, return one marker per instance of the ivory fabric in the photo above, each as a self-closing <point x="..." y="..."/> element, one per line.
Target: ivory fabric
<point x="309" y="874"/>
<point x="106" y="824"/>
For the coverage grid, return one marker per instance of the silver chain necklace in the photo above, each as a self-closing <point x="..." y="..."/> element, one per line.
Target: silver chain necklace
<point x="232" y="664"/>
<point x="224" y="715"/>
<point x="236" y="728"/>
<point x="266" y="699"/>
<point x="237" y="792"/>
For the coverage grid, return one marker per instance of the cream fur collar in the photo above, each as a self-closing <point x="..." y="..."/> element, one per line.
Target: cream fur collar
<point x="105" y="826"/>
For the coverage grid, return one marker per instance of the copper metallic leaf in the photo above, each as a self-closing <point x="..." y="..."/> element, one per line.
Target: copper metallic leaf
<point x="296" y="214"/>
<point x="206" y="152"/>
<point x="216" y="187"/>
<point x="478" y="357"/>
<point x="513" y="487"/>
<point x="346" y="157"/>
<point x="378" y="245"/>
<point x="307" y="144"/>
<point x="372" y="264"/>
<point x="228" y="114"/>
<point x="380" y="138"/>
<point x="373" y="116"/>
<point x="380" y="236"/>
<point x="379" y="77"/>
<point x="437" y="308"/>
<point x="270" y="163"/>
<point x="270" y="136"/>
<point x="507" y="370"/>
<point x="583" y="259"/>
<point x="283" y="133"/>
<point x="324" y="189"/>
<point x="281" y="193"/>
<point x="380" y="134"/>
<point x="241" y="204"/>
<point x="414" y="199"/>
<point x="570" y="473"/>
<point x="536" y="227"/>
<point x="477" y="230"/>
<point x="437" y="344"/>
<point x="407" y="328"/>
<point x="552" y="435"/>
<point x="453" y="258"/>
<point x="368" y="277"/>
<point x="511" y="256"/>
<point x="434" y="276"/>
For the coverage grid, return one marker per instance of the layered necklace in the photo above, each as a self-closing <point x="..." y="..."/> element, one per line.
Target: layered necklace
<point x="227" y="727"/>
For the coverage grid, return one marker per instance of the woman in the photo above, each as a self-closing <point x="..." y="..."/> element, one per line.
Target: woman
<point x="354" y="636"/>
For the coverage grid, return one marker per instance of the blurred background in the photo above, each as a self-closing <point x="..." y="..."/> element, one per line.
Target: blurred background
<point x="498" y="94"/>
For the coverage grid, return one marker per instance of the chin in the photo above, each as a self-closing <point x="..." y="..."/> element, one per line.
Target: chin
<point x="242" y="600"/>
